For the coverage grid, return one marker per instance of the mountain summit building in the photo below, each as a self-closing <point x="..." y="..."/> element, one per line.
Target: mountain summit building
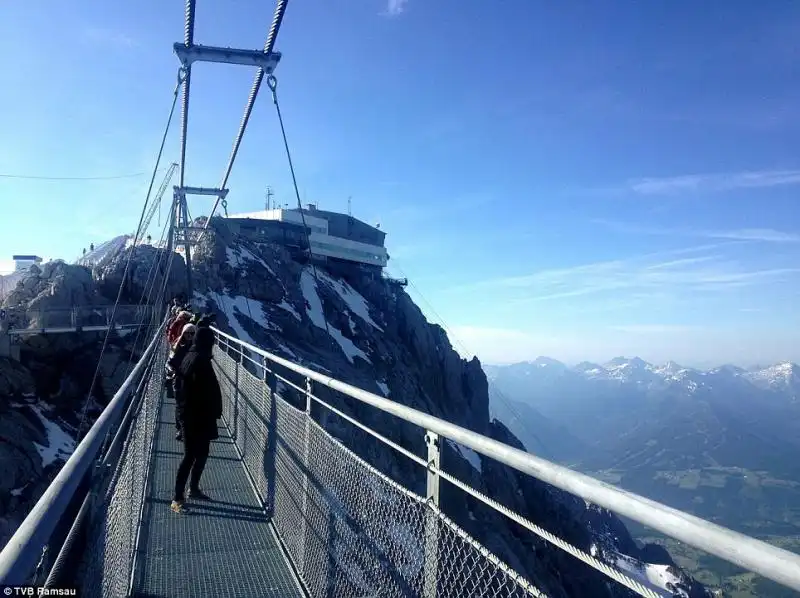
<point x="332" y="236"/>
<point x="23" y="263"/>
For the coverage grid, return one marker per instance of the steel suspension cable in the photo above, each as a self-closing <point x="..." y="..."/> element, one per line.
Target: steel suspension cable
<point x="277" y="19"/>
<point x="188" y="40"/>
<point x="272" y="82"/>
<point x="128" y="260"/>
<point x="147" y="290"/>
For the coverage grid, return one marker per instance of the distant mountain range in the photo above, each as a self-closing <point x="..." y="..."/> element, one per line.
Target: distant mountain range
<point x="722" y="443"/>
<point x="781" y="376"/>
<point x="628" y="409"/>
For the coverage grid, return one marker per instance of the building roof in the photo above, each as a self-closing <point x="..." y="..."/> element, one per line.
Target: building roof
<point x="324" y="213"/>
<point x="25" y="257"/>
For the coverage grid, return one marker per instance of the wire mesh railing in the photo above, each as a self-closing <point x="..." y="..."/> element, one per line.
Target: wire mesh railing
<point x="105" y="477"/>
<point x="350" y="529"/>
<point x="118" y="493"/>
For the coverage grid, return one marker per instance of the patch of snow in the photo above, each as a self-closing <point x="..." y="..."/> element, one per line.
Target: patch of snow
<point x="655" y="577"/>
<point x="348" y="346"/>
<point x="239" y="305"/>
<point x="235" y="257"/>
<point x="780" y="375"/>
<point x="314" y="310"/>
<point x="384" y="388"/>
<point x="18" y="491"/>
<point x="290" y="308"/>
<point x="660" y="576"/>
<point x="104" y="250"/>
<point x="471" y="456"/>
<point x="313" y="304"/>
<point x="354" y="300"/>
<point x="59" y="444"/>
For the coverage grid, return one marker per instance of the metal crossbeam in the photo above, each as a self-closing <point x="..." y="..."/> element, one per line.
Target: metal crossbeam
<point x="185" y="190"/>
<point x="199" y="53"/>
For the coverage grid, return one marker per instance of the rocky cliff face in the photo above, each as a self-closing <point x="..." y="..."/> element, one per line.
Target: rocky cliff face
<point x="54" y="285"/>
<point x="147" y="263"/>
<point x="42" y="396"/>
<point x="368" y="332"/>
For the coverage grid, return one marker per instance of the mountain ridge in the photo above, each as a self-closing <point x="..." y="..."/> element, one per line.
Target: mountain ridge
<point x="780" y="374"/>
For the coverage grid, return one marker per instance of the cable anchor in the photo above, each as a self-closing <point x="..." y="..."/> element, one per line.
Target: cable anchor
<point x="272" y="83"/>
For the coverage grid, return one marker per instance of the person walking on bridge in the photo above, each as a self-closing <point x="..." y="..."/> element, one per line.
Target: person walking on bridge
<point x="202" y="398"/>
<point x="179" y="351"/>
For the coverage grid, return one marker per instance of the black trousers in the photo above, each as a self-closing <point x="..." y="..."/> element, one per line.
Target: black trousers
<point x="178" y="414"/>
<point x="195" y="454"/>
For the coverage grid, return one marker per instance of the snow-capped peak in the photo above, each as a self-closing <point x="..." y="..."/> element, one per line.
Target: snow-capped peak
<point x="543" y="362"/>
<point x="781" y="375"/>
<point x="623" y="362"/>
<point x="591" y="370"/>
<point x="670" y="367"/>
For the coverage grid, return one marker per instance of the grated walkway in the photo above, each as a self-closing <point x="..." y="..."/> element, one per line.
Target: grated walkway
<point x="225" y="548"/>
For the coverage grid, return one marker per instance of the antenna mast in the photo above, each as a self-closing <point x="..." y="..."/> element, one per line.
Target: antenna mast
<point x="269" y="197"/>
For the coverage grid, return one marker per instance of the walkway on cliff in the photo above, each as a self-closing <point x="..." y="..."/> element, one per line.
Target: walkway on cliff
<point x="296" y="512"/>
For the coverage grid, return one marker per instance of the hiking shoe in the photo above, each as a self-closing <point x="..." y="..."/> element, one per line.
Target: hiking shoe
<point x="177" y="507"/>
<point x="198" y="494"/>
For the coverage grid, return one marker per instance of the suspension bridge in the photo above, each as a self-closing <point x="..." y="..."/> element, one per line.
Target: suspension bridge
<point x="295" y="511"/>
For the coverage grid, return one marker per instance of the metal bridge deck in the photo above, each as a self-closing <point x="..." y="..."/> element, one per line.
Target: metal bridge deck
<point x="225" y="548"/>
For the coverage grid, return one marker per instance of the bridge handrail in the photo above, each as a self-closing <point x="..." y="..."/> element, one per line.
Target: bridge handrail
<point x="754" y="555"/>
<point x="18" y="558"/>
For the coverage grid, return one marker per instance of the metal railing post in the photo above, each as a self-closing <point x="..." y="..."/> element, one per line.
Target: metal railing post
<point x="270" y="404"/>
<point x="235" y="432"/>
<point x="432" y="518"/>
<point x="306" y="447"/>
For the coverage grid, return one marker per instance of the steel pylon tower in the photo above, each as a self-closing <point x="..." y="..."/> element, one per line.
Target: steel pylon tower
<point x="182" y="233"/>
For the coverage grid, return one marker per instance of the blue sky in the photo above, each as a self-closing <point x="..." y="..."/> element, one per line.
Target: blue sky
<point x="574" y="181"/>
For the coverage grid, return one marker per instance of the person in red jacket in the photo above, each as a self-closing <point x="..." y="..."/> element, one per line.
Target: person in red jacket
<point x="175" y="329"/>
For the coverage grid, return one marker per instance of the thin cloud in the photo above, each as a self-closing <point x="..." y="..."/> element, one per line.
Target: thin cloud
<point x="654" y="328"/>
<point x="754" y="234"/>
<point x="766" y="235"/>
<point x="699" y="271"/>
<point x="108" y="37"/>
<point x="395" y="7"/>
<point x="694" y="183"/>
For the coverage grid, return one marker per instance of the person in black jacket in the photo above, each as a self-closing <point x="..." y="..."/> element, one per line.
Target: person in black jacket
<point x="202" y="407"/>
<point x="174" y="362"/>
